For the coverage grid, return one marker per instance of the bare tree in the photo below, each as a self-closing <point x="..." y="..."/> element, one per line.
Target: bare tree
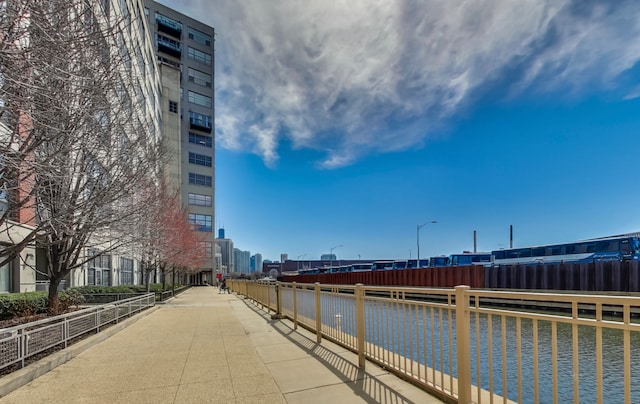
<point x="183" y="253"/>
<point x="149" y="229"/>
<point x="89" y="152"/>
<point x="171" y="244"/>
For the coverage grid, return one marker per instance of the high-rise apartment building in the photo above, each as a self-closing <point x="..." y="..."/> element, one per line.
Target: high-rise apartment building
<point x="256" y="262"/>
<point x="185" y="51"/>
<point x="242" y="261"/>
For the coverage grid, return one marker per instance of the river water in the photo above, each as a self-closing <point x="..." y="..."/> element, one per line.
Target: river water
<point x="612" y="361"/>
<point x="612" y="347"/>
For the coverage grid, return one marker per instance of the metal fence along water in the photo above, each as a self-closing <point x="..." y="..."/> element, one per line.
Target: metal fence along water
<point x="476" y="345"/>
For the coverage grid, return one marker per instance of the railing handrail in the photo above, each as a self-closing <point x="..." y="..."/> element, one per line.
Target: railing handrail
<point x="76" y="313"/>
<point x="23" y="341"/>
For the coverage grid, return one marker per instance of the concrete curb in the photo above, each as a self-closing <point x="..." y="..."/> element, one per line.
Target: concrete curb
<point x="29" y="373"/>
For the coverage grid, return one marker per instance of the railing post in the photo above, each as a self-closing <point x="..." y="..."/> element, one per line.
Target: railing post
<point x="23" y="347"/>
<point x="318" y="314"/>
<point x="65" y="331"/>
<point x="360" y="325"/>
<point x="278" y="314"/>
<point x="295" y="308"/>
<point x="279" y="299"/>
<point x="463" y="344"/>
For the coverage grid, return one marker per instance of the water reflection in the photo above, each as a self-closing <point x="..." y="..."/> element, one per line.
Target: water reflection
<point x="612" y="361"/>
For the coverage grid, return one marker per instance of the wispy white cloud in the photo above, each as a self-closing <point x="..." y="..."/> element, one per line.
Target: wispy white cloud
<point x="373" y="76"/>
<point x="633" y="94"/>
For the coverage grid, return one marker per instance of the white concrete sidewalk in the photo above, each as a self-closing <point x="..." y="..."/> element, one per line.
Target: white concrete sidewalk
<point x="205" y="347"/>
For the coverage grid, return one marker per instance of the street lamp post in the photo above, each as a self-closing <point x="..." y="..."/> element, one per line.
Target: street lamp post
<point x="298" y="259"/>
<point x="420" y="226"/>
<point x="331" y="255"/>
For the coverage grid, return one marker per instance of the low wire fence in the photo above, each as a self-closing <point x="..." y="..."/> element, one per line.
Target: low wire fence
<point x="469" y="345"/>
<point x="167" y="294"/>
<point x="21" y="342"/>
<point x="102" y="298"/>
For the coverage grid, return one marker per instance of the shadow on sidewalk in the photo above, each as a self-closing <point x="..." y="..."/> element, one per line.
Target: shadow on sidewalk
<point x="363" y="383"/>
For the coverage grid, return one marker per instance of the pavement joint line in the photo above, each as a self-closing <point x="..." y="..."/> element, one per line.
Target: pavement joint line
<point x="186" y="360"/>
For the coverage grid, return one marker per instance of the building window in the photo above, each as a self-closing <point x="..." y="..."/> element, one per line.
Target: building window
<point x="200" y="200"/>
<point x="4" y="202"/>
<point x="169" y="61"/>
<point x="199" y="99"/>
<point x="173" y="107"/>
<point x="207" y="246"/>
<point x="126" y="271"/>
<point x="199" y="159"/>
<point x="199" y="36"/>
<point x="200" y="78"/>
<point x="205" y="141"/>
<point x="199" y="56"/>
<point x="200" y="121"/>
<point x="198" y="179"/>
<point x="200" y="222"/>
<point x="99" y="269"/>
<point x="6" y="278"/>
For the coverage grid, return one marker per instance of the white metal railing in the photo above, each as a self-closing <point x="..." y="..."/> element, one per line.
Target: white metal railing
<point x="23" y="341"/>
<point x="476" y="345"/>
<point x="44" y="285"/>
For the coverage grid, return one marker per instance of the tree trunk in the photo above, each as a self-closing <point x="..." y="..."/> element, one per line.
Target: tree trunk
<point x="173" y="281"/>
<point x="54" y="302"/>
<point x="146" y="280"/>
<point x="148" y="269"/>
<point x="164" y="276"/>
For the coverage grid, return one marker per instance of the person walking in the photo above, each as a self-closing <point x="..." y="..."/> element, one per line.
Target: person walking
<point x="223" y="286"/>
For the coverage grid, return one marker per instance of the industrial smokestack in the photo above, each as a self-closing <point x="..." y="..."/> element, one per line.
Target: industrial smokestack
<point x="510" y="236"/>
<point x="475" y="250"/>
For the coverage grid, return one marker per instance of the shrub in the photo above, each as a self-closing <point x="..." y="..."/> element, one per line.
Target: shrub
<point x="23" y="304"/>
<point x="88" y="290"/>
<point x="30" y="303"/>
<point x="70" y="298"/>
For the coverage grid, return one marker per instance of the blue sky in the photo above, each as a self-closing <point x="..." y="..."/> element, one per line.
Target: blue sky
<point x="350" y="123"/>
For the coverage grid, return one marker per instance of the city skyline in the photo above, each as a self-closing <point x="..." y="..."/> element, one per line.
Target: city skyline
<point x="353" y="124"/>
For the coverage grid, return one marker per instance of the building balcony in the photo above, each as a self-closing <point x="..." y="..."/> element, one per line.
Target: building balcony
<point x="169" y="26"/>
<point x="200" y="122"/>
<point x="169" y="46"/>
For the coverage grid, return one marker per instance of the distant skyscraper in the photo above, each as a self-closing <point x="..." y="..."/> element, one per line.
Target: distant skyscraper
<point x="220" y="269"/>
<point x="226" y="254"/>
<point x="242" y="261"/>
<point x="256" y="263"/>
<point x="284" y="257"/>
<point x="221" y="233"/>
